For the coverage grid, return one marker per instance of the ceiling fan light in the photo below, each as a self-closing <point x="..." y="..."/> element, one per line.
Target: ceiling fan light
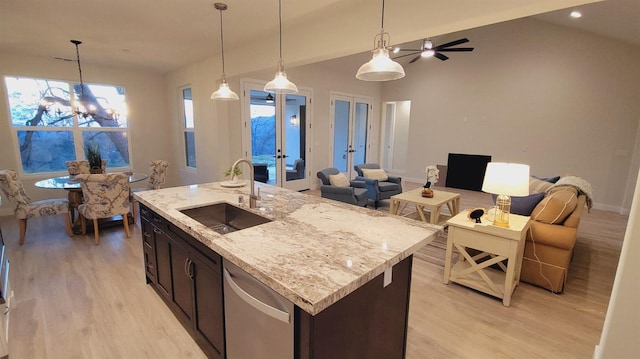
<point x="396" y="50"/>
<point x="428" y="53"/>
<point x="224" y="92"/>
<point x="380" y="68"/>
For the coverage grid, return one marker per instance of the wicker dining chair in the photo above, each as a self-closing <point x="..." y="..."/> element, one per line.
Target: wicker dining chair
<point x="26" y="208"/>
<point x="105" y="196"/>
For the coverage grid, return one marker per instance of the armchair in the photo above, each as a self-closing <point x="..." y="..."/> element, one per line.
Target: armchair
<point x="378" y="189"/>
<point x="354" y="193"/>
<point x="297" y="172"/>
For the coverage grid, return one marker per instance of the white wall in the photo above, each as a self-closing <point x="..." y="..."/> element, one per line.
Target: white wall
<point x="563" y="101"/>
<point x="148" y="116"/>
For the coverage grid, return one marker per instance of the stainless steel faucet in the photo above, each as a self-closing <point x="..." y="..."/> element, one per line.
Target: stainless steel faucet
<point x="252" y="197"/>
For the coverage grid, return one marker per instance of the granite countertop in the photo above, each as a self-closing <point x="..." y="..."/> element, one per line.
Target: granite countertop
<point x="314" y="252"/>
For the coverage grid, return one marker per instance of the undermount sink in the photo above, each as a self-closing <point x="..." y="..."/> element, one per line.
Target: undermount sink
<point x="225" y="218"/>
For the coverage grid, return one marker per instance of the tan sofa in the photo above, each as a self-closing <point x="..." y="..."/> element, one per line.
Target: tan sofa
<point x="552" y="237"/>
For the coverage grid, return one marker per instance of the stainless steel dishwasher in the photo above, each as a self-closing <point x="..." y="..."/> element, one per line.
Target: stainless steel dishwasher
<point x="258" y="321"/>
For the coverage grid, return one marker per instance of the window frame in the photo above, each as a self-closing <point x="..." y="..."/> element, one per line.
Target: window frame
<point x="76" y="130"/>
<point x="185" y="129"/>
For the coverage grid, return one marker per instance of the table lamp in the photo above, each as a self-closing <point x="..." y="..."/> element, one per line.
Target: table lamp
<point x="505" y="180"/>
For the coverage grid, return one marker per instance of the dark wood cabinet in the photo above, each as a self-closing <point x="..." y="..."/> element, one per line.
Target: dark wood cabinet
<point x="188" y="276"/>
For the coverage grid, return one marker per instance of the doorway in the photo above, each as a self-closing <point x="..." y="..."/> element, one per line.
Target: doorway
<point x="395" y="135"/>
<point x="350" y="123"/>
<point x="276" y="131"/>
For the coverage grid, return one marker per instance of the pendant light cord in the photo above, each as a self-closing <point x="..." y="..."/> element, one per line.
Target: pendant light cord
<point x="76" y="42"/>
<point x="222" y="43"/>
<point x="382" y="15"/>
<point x="280" y="22"/>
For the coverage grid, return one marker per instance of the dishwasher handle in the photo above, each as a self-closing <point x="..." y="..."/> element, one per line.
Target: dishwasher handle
<point x="249" y="299"/>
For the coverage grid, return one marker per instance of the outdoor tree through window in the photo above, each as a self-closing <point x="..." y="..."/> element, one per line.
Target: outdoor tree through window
<point x="51" y="128"/>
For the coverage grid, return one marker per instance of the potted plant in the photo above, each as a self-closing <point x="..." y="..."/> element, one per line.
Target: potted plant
<point x="236" y="173"/>
<point x="92" y="151"/>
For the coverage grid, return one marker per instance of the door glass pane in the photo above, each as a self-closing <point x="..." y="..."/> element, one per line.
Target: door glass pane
<point x="295" y="136"/>
<point x="341" y="134"/>
<point x="190" y="148"/>
<point x="263" y="132"/>
<point x="360" y="133"/>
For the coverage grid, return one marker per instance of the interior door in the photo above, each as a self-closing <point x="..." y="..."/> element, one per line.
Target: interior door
<point x="350" y="122"/>
<point x="276" y="135"/>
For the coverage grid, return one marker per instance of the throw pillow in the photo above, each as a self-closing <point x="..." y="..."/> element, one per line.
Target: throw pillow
<point x="524" y="205"/>
<point x="548" y="179"/>
<point x="339" y="180"/>
<point x="377" y="173"/>
<point x="538" y="186"/>
<point x="555" y="207"/>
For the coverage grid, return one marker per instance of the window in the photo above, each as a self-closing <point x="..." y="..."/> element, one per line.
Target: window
<point x="189" y="134"/>
<point x="51" y="128"/>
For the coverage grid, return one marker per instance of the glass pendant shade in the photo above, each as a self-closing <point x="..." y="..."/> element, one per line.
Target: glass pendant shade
<point x="281" y="84"/>
<point x="380" y="68"/>
<point x="224" y="92"/>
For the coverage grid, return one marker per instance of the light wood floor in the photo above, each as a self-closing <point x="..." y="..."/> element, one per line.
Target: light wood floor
<point x="74" y="299"/>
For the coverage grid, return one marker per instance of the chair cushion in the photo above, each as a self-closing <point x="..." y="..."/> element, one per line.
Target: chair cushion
<point x="388" y="186"/>
<point x="378" y="174"/>
<point x="45" y="207"/>
<point x="339" y="180"/>
<point x="556" y="206"/>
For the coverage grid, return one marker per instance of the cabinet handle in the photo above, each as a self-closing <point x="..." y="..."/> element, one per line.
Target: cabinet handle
<point x="188" y="268"/>
<point x="157" y="231"/>
<point x="275" y="313"/>
<point x="146" y="234"/>
<point x="157" y="220"/>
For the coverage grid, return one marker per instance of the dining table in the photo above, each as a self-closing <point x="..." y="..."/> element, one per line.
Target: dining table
<point x="72" y="186"/>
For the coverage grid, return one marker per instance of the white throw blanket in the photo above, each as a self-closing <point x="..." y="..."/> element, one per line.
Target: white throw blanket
<point x="580" y="184"/>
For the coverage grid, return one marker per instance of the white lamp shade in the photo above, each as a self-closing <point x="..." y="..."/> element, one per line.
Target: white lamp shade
<point x="511" y="179"/>
<point x="380" y="68"/>
<point x="280" y="84"/>
<point x="224" y="92"/>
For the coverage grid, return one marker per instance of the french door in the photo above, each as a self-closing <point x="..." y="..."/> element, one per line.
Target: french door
<point x="276" y="133"/>
<point x="350" y="121"/>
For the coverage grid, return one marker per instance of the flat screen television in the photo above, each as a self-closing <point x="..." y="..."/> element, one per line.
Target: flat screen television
<point x="466" y="171"/>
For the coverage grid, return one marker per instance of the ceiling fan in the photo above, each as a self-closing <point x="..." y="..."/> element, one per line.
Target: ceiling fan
<point x="428" y="50"/>
<point x="266" y="98"/>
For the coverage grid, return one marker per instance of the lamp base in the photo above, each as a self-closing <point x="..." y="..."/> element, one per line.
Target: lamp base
<point x="502" y="209"/>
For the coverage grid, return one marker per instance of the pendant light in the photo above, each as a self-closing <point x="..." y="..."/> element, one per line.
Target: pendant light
<point x="280" y="84"/>
<point x="224" y="92"/>
<point x="380" y="67"/>
<point x="81" y="109"/>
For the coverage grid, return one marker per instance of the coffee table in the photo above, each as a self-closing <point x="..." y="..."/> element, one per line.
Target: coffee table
<point x="434" y="205"/>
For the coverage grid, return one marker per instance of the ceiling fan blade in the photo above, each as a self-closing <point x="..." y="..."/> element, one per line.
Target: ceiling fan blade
<point x="452" y="43"/>
<point x="410" y="50"/>
<point x="441" y="56"/>
<point x="405" y="55"/>
<point x="415" y="59"/>
<point x="457" y="49"/>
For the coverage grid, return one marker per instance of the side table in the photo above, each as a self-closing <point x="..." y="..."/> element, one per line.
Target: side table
<point x="496" y="244"/>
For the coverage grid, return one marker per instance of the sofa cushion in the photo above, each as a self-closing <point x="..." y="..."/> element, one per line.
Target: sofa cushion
<point x="375" y="173"/>
<point x="339" y="180"/>
<point x="538" y="186"/>
<point x="556" y="206"/>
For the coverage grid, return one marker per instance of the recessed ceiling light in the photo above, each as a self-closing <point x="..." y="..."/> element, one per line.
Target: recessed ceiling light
<point x="576" y="14"/>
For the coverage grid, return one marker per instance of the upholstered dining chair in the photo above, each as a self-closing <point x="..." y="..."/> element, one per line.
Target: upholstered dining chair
<point x="157" y="176"/>
<point x="25" y="208"/>
<point x="78" y="167"/>
<point x="105" y="196"/>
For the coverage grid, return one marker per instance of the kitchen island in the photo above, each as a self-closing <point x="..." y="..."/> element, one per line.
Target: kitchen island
<point x="346" y="269"/>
